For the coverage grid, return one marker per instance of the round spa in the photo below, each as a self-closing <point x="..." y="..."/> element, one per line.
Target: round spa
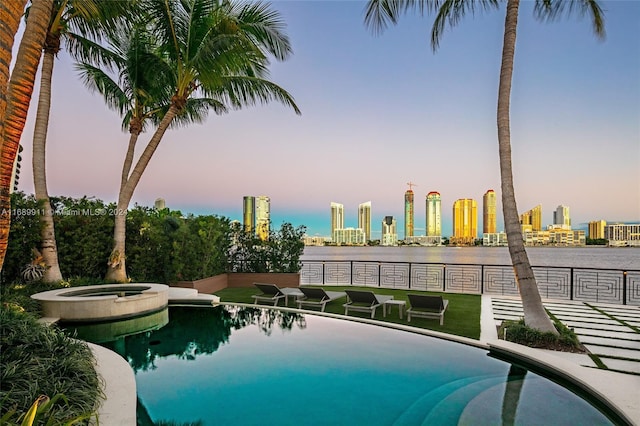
<point x="103" y="302"/>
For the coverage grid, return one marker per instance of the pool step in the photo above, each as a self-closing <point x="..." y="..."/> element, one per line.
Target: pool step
<point x="190" y="296"/>
<point x="420" y="411"/>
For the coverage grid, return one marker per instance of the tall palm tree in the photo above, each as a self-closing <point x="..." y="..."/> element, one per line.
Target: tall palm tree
<point x="137" y="92"/>
<point x="18" y="97"/>
<point x="380" y="13"/>
<point x="10" y="14"/>
<point x="73" y="21"/>
<point x="214" y="54"/>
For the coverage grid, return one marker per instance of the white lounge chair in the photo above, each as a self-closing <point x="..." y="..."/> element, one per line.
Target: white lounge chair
<point x="318" y="297"/>
<point x="364" y="301"/>
<point x="272" y="293"/>
<point x="426" y="306"/>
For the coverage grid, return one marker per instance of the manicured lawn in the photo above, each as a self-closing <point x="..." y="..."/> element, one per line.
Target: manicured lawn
<point x="462" y="317"/>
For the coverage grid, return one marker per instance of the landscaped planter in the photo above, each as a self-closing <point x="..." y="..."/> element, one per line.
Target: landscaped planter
<point x="241" y="279"/>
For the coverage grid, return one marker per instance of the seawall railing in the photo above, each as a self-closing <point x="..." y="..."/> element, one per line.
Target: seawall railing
<point x="617" y="286"/>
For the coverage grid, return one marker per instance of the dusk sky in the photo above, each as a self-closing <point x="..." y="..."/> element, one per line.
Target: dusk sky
<point x="379" y="111"/>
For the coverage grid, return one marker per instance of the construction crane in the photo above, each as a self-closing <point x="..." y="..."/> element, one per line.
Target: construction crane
<point x="411" y="185"/>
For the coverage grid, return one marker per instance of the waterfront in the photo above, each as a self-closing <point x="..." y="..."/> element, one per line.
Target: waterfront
<point x="580" y="257"/>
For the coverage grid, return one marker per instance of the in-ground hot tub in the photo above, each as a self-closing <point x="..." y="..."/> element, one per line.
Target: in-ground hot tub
<point x="103" y="302"/>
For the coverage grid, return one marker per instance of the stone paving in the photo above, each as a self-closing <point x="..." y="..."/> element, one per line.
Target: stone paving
<point x="610" y="332"/>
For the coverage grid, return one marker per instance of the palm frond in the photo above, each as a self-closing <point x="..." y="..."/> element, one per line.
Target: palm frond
<point x="451" y="12"/>
<point x="240" y="91"/>
<point x="196" y="110"/>
<point x="160" y="19"/>
<point x="550" y="10"/>
<point x="265" y="28"/>
<point x="97" y="80"/>
<point x="95" y="18"/>
<point x="84" y="49"/>
<point x="380" y="13"/>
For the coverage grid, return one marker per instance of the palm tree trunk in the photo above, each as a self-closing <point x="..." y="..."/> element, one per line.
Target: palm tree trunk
<point x="19" y="93"/>
<point x="10" y="14"/>
<point x="128" y="159"/>
<point x="48" y="246"/>
<point x="534" y="314"/>
<point x="116" y="267"/>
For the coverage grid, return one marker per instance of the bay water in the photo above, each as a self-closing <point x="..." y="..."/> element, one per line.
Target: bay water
<point x="627" y="258"/>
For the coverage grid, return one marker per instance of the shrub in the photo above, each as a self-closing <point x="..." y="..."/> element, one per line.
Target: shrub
<point x="518" y="332"/>
<point x="279" y="253"/>
<point x="40" y="360"/>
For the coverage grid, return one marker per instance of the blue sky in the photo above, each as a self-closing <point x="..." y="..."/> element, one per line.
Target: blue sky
<point x="381" y="111"/>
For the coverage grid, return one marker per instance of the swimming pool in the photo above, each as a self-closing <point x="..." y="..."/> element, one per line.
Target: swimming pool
<point x="253" y="366"/>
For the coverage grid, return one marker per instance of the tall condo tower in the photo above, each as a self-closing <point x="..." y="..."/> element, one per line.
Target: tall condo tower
<point x="562" y="218"/>
<point x="263" y="217"/>
<point x="389" y="232"/>
<point x="408" y="211"/>
<point x="465" y="221"/>
<point x="364" y="219"/>
<point x="337" y="217"/>
<point x="249" y="213"/>
<point x="160" y="204"/>
<point x="596" y="229"/>
<point x="434" y="212"/>
<point x="532" y="218"/>
<point x="489" y="203"/>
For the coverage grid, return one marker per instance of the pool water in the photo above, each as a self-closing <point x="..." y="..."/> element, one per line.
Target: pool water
<point x="251" y="366"/>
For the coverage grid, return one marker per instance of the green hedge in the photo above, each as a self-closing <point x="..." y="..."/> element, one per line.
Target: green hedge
<point x="161" y="245"/>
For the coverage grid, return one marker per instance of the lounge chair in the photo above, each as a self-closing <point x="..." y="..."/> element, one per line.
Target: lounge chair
<point x="272" y="293"/>
<point x="318" y="297"/>
<point x="426" y="307"/>
<point x="364" y="301"/>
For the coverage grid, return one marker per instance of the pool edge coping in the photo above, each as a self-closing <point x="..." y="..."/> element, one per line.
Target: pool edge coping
<point x="111" y="369"/>
<point x="570" y="372"/>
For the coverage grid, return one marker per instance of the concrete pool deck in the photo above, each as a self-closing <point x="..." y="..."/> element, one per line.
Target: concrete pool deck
<point x="620" y="385"/>
<point x="619" y="389"/>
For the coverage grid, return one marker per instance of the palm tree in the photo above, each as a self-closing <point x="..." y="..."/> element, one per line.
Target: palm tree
<point x="138" y="92"/>
<point x="10" y="14"/>
<point x="381" y="12"/>
<point x="71" y="20"/>
<point x="18" y="96"/>
<point x="214" y="54"/>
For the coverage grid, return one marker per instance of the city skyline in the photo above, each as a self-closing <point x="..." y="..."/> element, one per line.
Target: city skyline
<point x="381" y="111"/>
<point x="464" y="210"/>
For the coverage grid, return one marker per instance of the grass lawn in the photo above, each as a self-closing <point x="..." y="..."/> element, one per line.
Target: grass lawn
<point x="462" y="317"/>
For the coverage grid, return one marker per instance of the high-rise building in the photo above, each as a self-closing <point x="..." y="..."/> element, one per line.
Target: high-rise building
<point x="465" y="221"/>
<point x="434" y="213"/>
<point x="263" y="217"/>
<point x="349" y="236"/>
<point x="160" y="204"/>
<point x="561" y="218"/>
<point x="408" y="212"/>
<point x="249" y="213"/>
<point x="621" y="234"/>
<point x="337" y="217"/>
<point x="596" y="229"/>
<point x="532" y="220"/>
<point x="364" y="219"/>
<point x="489" y="208"/>
<point x="389" y="232"/>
